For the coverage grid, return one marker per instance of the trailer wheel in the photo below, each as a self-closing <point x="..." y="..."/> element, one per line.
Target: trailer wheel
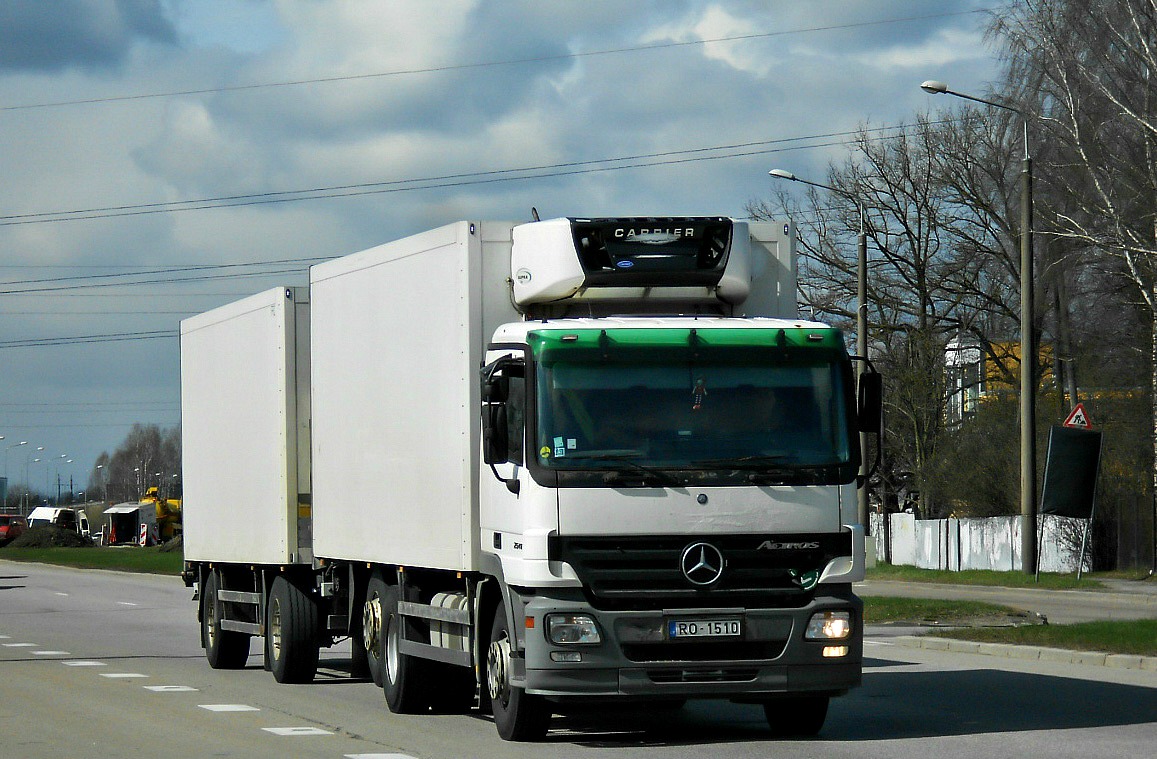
<point x="405" y="679"/>
<point x="225" y="649"/>
<point x="372" y="638"/>
<point x="518" y="715"/>
<point x="802" y="715"/>
<point x="291" y="633"/>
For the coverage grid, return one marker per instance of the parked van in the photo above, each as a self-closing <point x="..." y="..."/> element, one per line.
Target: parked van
<point x="68" y="519"/>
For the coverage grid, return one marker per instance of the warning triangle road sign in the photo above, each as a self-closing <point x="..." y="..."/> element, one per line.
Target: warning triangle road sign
<point x="1078" y="418"/>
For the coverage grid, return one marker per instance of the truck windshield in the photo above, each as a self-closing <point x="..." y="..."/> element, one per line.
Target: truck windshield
<point x="751" y="400"/>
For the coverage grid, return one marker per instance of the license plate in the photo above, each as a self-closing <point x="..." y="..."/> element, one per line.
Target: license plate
<point x="703" y="628"/>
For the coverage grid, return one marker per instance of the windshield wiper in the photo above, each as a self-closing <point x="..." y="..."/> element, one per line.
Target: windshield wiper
<point x="626" y="456"/>
<point x="750" y="462"/>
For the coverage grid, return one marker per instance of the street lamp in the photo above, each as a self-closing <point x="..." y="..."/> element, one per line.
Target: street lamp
<point x="104" y="479"/>
<point x="14" y="445"/>
<point x="1027" y="340"/>
<point x="861" y="323"/>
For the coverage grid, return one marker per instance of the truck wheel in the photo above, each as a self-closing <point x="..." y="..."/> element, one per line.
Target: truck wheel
<point x="803" y="715"/>
<point x="225" y="649"/>
<point x="291" y="633"/>
<point x="405" y="678"/>
<point x="518" y="715"/>
<point x="372" y="638"/>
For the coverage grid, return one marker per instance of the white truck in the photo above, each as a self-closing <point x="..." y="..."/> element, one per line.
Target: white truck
<point x="521" y="466"/>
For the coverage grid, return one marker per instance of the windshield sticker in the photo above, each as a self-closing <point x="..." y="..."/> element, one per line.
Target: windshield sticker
<point x="559" y="448"/>
<point x="698" y="394"/>
<point x="544" y="452"/>
<point x="571" y="443"/>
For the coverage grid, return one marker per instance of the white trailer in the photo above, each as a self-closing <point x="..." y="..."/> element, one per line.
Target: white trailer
<point x="521" y="465"/>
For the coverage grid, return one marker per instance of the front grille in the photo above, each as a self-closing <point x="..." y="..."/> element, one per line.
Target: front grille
<point x="645" y="571"/>
<point x="702" y="675"/>
<point x="733" y="651"/>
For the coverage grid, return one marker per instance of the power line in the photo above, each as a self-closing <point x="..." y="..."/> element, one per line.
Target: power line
<point x="116" y="337"/>
<point x="490" y="64"/>
<point x="544" y="171"/>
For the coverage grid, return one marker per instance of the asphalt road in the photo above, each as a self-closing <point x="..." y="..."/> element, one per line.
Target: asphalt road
<point x="104" y="664"/>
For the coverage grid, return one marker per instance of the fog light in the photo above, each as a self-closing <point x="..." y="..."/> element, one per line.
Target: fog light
<point x="829" y="625"/>
<point x="572" y="628"/>
<point x="835" y="652"/>
<point x="567" y="656"/>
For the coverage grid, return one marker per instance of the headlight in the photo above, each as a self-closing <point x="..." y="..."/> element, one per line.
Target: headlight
<point x="572" y="628"/>
<point x="829" y="625"/>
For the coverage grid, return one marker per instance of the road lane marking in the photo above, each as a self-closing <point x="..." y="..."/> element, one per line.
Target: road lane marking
<point x="170" y="688"/>
<point x="296" y="731"/>
<point x="121" y="675"/>
<point x="21" y="645"/>
<point x="126" y="603"/>
<point x="84" y="663"/>
<point x="51" y="653"/>
<point x="229" y="707"/>
<point x="378" y="756"/>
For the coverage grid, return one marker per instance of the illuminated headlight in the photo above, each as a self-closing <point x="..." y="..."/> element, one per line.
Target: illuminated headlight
<point x="572" y="628"/>
<point x="829" y="625"/>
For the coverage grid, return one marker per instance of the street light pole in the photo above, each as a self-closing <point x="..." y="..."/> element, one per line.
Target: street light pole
<point x="1028" y="351"/>
<point x="861" y="324"/>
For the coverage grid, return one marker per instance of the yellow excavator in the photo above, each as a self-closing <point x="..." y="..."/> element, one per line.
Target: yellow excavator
<point x="168" y="513"/>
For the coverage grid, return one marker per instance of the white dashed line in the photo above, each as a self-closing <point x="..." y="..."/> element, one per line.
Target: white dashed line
<point x="170" y="688"/>
<point x="378" y="756"/>
<point x="229" y="707"/>
<point x="296" y="731"/>
<point x="61" y="594"/>
<point x="121" y="675"/>
<point x="84" y="663"/>
<point x="51" y="653"/>
<point x="126" y="603"/>
<point x="20" y="645"/>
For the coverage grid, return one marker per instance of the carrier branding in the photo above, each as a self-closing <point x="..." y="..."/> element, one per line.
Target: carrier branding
<point x="654" y="235"/>
<point x="771" y="545"/>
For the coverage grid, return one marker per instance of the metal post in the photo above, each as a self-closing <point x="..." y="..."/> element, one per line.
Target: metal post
<point x="862" y="350"/>
<point x="1027" y="373"/>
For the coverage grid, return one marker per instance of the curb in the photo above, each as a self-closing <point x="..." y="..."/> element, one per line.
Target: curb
<point x="1029" y="653"/>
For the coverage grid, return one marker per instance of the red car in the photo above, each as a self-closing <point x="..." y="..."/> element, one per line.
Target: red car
<point x="12" y="526"/>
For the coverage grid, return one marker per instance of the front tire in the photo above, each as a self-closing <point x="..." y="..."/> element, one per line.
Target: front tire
<point x="518" y="715"/>
<point x="224" y="649"/>
<point x="291" y="633"/>
<point x="802" y="715"/>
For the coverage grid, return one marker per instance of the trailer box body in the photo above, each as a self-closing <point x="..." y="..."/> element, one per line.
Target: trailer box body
<point x="245" y="430"/>
<point x="398" y="337"/>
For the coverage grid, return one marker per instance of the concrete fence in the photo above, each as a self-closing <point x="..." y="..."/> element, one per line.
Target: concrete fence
<point x="980" y="543"/>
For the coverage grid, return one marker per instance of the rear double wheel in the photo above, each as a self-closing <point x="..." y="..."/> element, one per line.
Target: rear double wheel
<point x="291" y="631"/>
<point x="406" y="680"/>
<point x="225" y="649"/>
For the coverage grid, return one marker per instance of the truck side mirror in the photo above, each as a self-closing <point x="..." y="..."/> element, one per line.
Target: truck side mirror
<point x="495" y="442"/>
<point x="503" y="414"/>
<point x="870" y="408"/>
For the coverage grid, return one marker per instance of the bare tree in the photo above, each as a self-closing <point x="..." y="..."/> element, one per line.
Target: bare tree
<point x="1090" y="66"/>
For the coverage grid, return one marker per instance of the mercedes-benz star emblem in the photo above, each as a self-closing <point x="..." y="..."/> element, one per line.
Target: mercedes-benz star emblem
<point x="702" y="564"/>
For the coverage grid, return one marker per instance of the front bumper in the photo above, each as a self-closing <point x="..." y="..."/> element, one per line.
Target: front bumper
<point x="636" y="657"/>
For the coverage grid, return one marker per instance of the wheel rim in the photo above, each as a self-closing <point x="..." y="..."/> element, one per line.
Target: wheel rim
<point x="392" y="656"/>
<point x="275" y="629"/>
<point x="211" y="616"/>
<point x="497" y="665"/>
<point x="372" y="625"/>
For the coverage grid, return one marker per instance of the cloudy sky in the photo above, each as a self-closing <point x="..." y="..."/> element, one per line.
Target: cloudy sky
<point x="161" y="157"/>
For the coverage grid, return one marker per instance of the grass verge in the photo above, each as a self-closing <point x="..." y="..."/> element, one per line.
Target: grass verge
<point x="1135" y="637"/>
<point x="983" y="577"/>
<point x="928" y="611"/>
<point x="128" y="559"/>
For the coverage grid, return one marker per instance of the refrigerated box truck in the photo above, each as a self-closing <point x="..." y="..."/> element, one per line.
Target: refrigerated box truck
<point x="521" y="466"/>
